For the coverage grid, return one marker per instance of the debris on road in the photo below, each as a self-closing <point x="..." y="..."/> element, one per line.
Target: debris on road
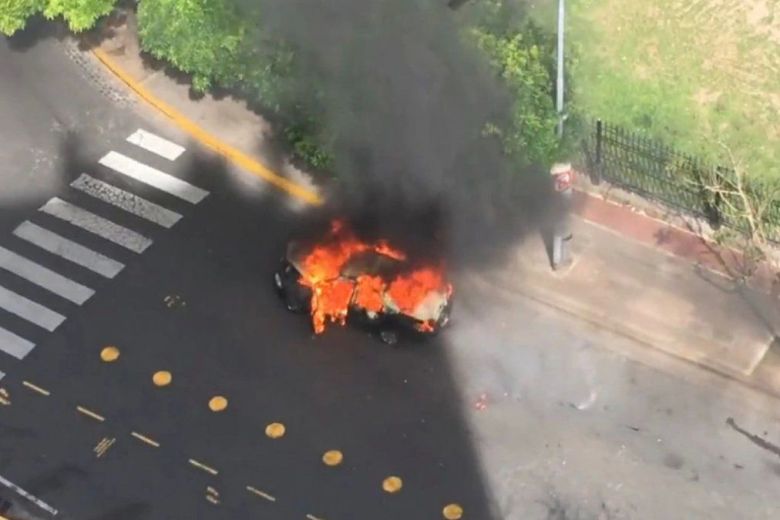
<point x="174" y="300"/>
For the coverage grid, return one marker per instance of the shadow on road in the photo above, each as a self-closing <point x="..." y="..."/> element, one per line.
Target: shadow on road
<point x="392" y="411"/>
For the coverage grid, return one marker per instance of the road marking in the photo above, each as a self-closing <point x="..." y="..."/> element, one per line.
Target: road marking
<point x="233" y="154"/>
<point x="30" y="310"/>
<point x="68" y="249"/>
<point x="14" y="345"/>
<point x="145" y="439"/>
<point x="44" y="277"/>
<point x="126" y="201"/>
<point x="204" y="467"/>
<point x="40" y="503"/>
<point x="103" y="446"/>
<point x="156" y="144"/>
<point x="2" y="375"/>
<point x="212" y="495"/>
<point x="90" y="413"/>
<point x="262" y="494"/>
<point x="312" y="517"/>
<point x="98" y="225"/>
<point x="36" y="388"/>
<point x="153" y="177"/>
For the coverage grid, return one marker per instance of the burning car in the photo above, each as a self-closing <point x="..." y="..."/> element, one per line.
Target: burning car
<point x="342" y="276"/>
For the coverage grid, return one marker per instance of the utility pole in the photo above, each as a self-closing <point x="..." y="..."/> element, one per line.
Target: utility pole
<point x="559" y="88"/>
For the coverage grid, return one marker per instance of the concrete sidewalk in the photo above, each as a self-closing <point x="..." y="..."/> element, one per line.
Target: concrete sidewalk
<point x="653" y="297"/>
<point x="633" y="274"/>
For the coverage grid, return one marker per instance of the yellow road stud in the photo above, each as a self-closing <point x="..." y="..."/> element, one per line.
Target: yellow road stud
<point x="392" y="484"/>
<point x="109" y="354"/>
<point x="218" y="403"/>
<point x="275" y="430"/>
<point x="452" y="512"/>
<point x="332" y="458"/>
<point x="162" y="378"/>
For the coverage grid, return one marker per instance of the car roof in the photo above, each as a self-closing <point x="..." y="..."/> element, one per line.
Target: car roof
<point x="371" y="263"/>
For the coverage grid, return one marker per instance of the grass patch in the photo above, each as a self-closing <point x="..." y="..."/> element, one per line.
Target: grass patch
<point x="686" y="72"/>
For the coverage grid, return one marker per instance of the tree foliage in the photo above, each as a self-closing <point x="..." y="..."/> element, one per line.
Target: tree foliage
<point x="519" y="61"/>
<point x="212" y="41"/>
<point x="200" y="37"/>
<point x="14" y="14"/>
<point x="80" y="15"/>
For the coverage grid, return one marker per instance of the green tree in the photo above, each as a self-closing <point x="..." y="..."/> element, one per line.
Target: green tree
<point x="14" y="13"/>
<point x="201" y="37"/>
<point x="79" y="14"/>
<point x="520" y="60"/>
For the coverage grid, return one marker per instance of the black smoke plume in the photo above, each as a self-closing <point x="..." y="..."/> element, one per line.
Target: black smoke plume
<point x="407" y="101"/>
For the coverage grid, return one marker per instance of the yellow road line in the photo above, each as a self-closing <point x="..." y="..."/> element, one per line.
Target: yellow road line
<point x="145" y="439"/>
<point x="90" y="413"/>
<point x="259" y="493"/>
<point x="203" y="467"/>
<point x="236" y="156"/>
<point x="36" y="388"/>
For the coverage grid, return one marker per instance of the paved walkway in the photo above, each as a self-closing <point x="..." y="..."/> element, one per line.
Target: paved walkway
<point x="634" y="275"/>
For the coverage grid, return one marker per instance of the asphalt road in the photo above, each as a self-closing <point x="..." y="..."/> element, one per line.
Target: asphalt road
<point x="565" y="420"/>
<point x="391" y="411"/>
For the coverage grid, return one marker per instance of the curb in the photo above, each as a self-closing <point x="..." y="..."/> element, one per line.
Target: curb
<point x="641" y="339"/>
<point x="205" y="138"/>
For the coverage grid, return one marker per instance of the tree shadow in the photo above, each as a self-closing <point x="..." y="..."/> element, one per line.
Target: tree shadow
<point x="37" y="30"/>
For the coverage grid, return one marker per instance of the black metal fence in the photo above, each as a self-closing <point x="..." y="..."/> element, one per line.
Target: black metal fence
<point x="654" y="170"/>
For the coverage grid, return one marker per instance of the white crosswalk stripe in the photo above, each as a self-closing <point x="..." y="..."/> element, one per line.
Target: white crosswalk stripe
<point x="126" y="200"/>
<point x="95" y="224"/>
<point x="44" y="277"/>
<point x="29" y="310"/>
<point x="14" y="345"/>
<point x="69" y="250"/>
<point x="153" y="177"/>
<point x="156" y="144"/>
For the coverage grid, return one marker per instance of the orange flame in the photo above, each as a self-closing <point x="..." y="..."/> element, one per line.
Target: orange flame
<point x="408" y="290"/>
<point x="368" y="294"/>
<point x="332" y="295"/>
